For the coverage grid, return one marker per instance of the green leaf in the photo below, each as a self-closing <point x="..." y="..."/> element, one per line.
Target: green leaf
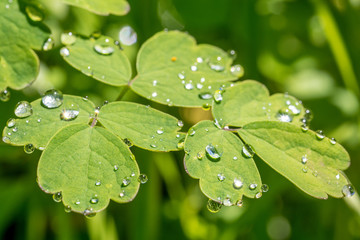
<point x="232" y="163"/>
<point x="145" y="127"/>
<point x="166" y="56"/>
<point x="19" y="64"/>
<point x="249" y="101"/>
<point x="116" y="7"/>
<point x="283" y="146"/>
<point x="99" y="58"/>
<point x="81" y="162"/>
<point x="38" y="128"/>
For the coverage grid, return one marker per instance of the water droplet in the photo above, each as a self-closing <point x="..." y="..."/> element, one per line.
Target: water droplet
<point x="89" y="212"/>
<point x="180" y="123"/>
<point x="154" y="94"/>
<point x="253" y="186"/>
<point x="239" y="203"/>
<point x="305" y="169"/>
<point x="67" y="209"/>
<point x="218" y="96"/>
<point x="94" y="200"/>
<point x="128" y="142"/>
<point x="142" y="178"/>
<point x="332" y="141"/>
<point x="48" y="44"/>
<point x="304" y="128"/>
<point x="132" y="174"/>
<point x="337" y="176"/>
<point x="70" y="112"/>
<point x="212" y="152"/>
<point x="206" y="106"/>
<point x="264" y="188"/>
<point x="294" y="109"/>
<point x="315" y="173"/>
<point x="308" y="115"/>
<point x="98" y="183"/>
<point x="213" y="206"/>
<point x="348" y="190"/>
<point x="216" y="63"/>
<point x="57" y="197"/>
<point x="221" y="177"/>
<point x="10" y="123"/>
<point x="205" y="95"/>
<point x="15" y="129"/>
<point x="127" y="36"/>
<point x="248" y="151"/>
<point x="304" y="159"/>
<point x="181" y="75"/>
<point x="227" y="202"/>
<point x="200" y="155"/>
<point x="284" y="115"/>
<point x="180" y="144"/>
<point x="232" y="53"/>
<point x="122" y="194"/>
<point x="64" y="52"/>
<point x="6" y="140"/>
<point x="235" y="158"/>
<point x="258" y="195"/>
<point x="34" y="13"/>
<point x="23" y="109"/>
<point x="237" y="70"/>
<point x="29" y="148"/>
<point x="126" y="181"/>
<point x="192" y="132"/>
<point x="154" y="83"/>
<point x="39" y="120"/>
<point x="237" y="183"/>
<point x="5" y="95"/>
<point x="77" y="202"/>
<point x="68" y="38"/>
<point x="320" y="135"/>
<point x="153" y="145"/>
<point x="193" y="68"/>
<point x="199" y="59"/>
<point x="160" y="131"/>
<point x="104" y="48"/>
<point x="52" y="98"/>
<point x="189" y="86"/>
<point x="116" y="167"/>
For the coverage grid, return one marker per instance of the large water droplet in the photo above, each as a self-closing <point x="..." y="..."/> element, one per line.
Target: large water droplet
<point x="221" y="177"/>
<point x="10" y="123"/>
<point x="127" y="36"/>
<point x="142" y="178"/>
<point x="64" y="52"/>
<point x="34" y="13"/>
<point x="205" y="95"/>
<point x="264" y="188"/>
<point x="126" y="181"/>
<point x="94" y="200"/>
<point x="212" y="152"/>
<point x="52" y="99"/>
<point x="348" y="190"/>
<point x="237" y="70"/>
<point x="57" y="197"/>
<point x="248" y="151"/>
<point x="217" y="63"/>
<point x="5" y="95"/>
<point x="68" y="38"/>
<point x="218" y="96"/>
<point x="23" y="109"/>
<point x="70" y="112"/>
<point x="48" y="44"/>
<point x="29" y="148"/>
<point x="253" y="186"/>
<point x="237" y="183"/>
<point x="284" y="115"/>
<point x="213" y="206"/>
<point x="104" y="48"/>
<point x="320" y="135"/>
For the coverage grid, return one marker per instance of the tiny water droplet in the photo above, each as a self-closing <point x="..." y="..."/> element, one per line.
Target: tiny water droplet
<point x="154" y="94"/>
<point x="29" y="148"/>
<point x="180" y="144"/>
<point x="284" y="115"/>
<point x="200" y="155"/>
<point x="237" y="183"/>
<point x="264" y="188"/>
<point x="213" y="206"/>
<point x="227" y="202"/>
<point x="89" y="212"/>
<point x="348" y="190"/>
<point x="332" y="141"/>
<point x="48" y="44"/>
<point x="337" y="176"/>
<point x="181" y="75"/>
<point x="206" y="106"/>
<point x="67" y="208"/>
<point x="52" y="99"/>
<point x="142" y="178"/>
<point x="205" y="96"/>
<point x="126" y="181"/>
<point x="77" y="202"/>
<point x="5" y="95"/>
<point x="232" y="53"/>
<point x="180" y="123"/>
<point x="57" y="197"/>
<point x="122" y="194"/>
<point x="216" y="63"/>
<point x="237" y="70"/>
<point x="128" y="142"/>
<point x="70" y="112"/>
<point x="64" y="52"/>
<point x="199" y="59"/>
<point x="193" y="68"/>
<point x="10" y="123"/>
<point x="221" y="177"/>
<point x="67" y="38"/>
<point x="127" y="36"/>
<point x="98" y="183"/>
<point x="192" y="132"/>
<point x="239" y="203"/>
<point x="23" y="109"/>
<point x="94" y="200"/>
<point x="320" y="135"/>
<point x="258" y="195"/>
<point x="116" y="167"/>
<point x="218" y="96"/>
<point x="212" y="152"/>
<point x="6" y="139"/>
<point x="304" y="159"/>
<point x="153" y="145"/>
<point x="304" y="128"/>
<point x="160" y="131"/>
<point x="253" y="186"/>
<point x="305" y="169"/>
<point x="189" y="86"/>
<point x="154" y="83"/>
<point x="248" y="151"/>
<point x="235" y="158"/>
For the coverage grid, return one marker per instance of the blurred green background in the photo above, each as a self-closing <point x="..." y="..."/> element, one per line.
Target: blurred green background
<point x="307" y="48"/>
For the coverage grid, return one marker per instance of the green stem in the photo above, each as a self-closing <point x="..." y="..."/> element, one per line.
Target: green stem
<point x="337" y="46"/>
<point x="122" y="93"/>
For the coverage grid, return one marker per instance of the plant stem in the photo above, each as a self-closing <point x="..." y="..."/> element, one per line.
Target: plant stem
<point x="122" y="93"/>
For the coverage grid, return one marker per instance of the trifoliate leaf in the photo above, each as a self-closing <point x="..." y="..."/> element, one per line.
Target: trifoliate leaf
<point x="216" y="158"/>
<point x="43" y="123"/>
<point x="19" y="65"/>
<point x="116" y="7"/>
<point x="174" y="70"/>
<point x="309" y="160"/>
<point x="87" y="167"/>
<point x="249" y="101"/>
<point x="143" y="126"/>
<point x="99" y="58"/>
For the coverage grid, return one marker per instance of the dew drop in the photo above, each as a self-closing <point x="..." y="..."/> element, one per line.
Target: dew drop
<point x="212" y="152"/>
<point x="253" y="186"/>
<point x="89" y="212"/>
<point x="337" y="176"/>
<point x="232" y="53"/>
<point x="239" y="203"/>
<point x="68" y="38"/>
<point x="304" y="159"/>
<point x="348" y="190"/>
<point x="127" y="36"/>
<point x="264" y="188"/>
<point x="237" y="183"/>
<point x="192" y="132"/>
<point x="77" y="202"/>
<point x="128" y="142"/>
<point x="206" y="106"/>
<point x="199" y="59"/>
<point x="10" y="123"/>
<point x="199" y="86"/>
<point x="154" y="83"/>
<point x="180" y="123"/>
<point x="213" y="206"/>
<point x="218" y="96"/>
<point x="103" y="49"/>
<point x="29" y="148"/>
<point x="116" y="167"/>
<point x="126" y="181"/>
<point x="160" y="131"/>
<point x="235" y="158"/>
<point x="52" y="98"/>
<point x="221" y="177"/>
<point x="5" y="95"/>
<point x="205" y="95"/>
<point x="181" y="75"/>
<point x="332" y="141"/>
<point x="67" y="209"/>
<point x="180" y="144"/>
<point x="294" y="109"/>
<point x="248" y="151"/>
<point x="200" y="155"/>
<point x="6" y="139"/>
<point x="48" y="44"/>
<point x="315" y="173"/>
<point x="284" y="116"/>
<point x="304" y="128"/>
<point x="305" y="169"/>
<point x="23" y="109"/>
<point x="98" y="183"/>
<point x="189" y="86"/>
<point x="227" y="202"/>
<point x="154" y="94"/>
<point x="216" y="63"/>
<point x="34" y="13"/>
<point x="237" y="70"/>
<point x="193" y="68"/>
<point x="94" y="200"/>
<point x="153" y="145"/>
<point x="70" y="112"/>
<point x="57" y="197"/>
<point x="320" y="135"/>
<point x="143" y="178"/>
<point x="122" y="194"/>
<point x="64" y="52"/>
